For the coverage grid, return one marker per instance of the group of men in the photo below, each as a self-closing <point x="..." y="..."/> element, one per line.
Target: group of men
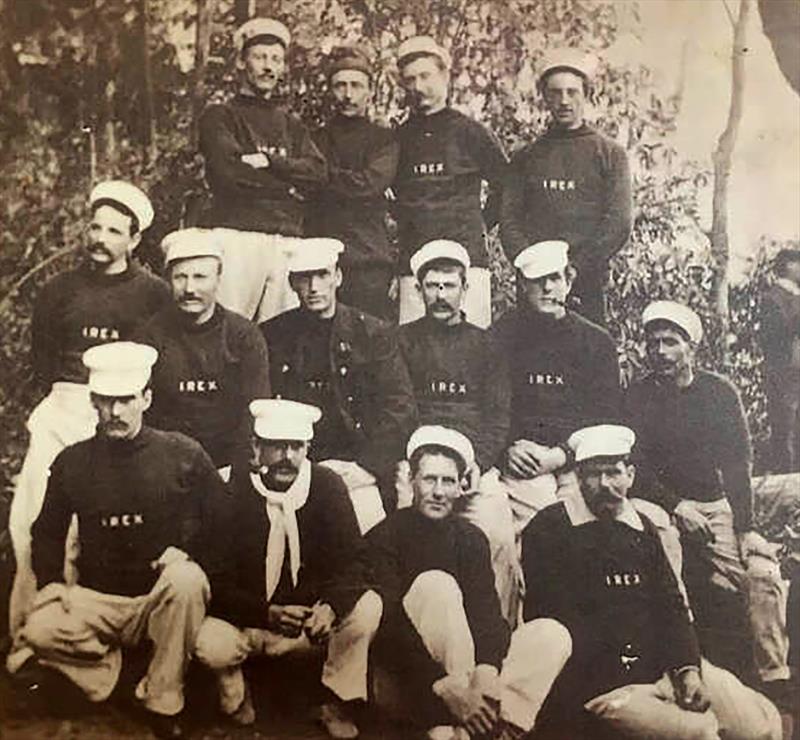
<point x="238" y="463"/>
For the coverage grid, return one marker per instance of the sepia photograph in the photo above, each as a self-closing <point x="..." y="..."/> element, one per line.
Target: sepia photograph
<point x="400" y="369"/>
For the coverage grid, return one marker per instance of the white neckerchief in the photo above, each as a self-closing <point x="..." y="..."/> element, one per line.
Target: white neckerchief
<point x="579" y="513"/>
<point x="788" y="286"/>
<point x="281" y="508"/>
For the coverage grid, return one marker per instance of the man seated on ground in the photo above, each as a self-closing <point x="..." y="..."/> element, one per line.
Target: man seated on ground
<point x="298" y="573"/>
<point x="595" y="565"/>
<point x="461" y="381"/>
<point x="145" y="501"/>
<point x="564" y="375"/>
<point x="694" y="458"/>
<point x="347" y="363"/>
<point x="443" y="640"/>
<point x="211" y="361"/>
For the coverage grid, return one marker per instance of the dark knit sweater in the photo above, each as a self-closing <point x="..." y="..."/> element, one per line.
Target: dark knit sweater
<point x="333" y="566"/>
<point x="571" y="185"/>
<point x="269" y="199"/>
<point x="133" y="498"/>
<point x="460" y="381"/>
<point x="780" y="334"/>
<point x="352" y="367"/>
<point x="692" y="443"/>
<point x="564" y="374"/>
<point x="613" y="589"/>
<point x="443" y="159"/>
<point x="205" y="377"/>
<point x="407" y="543"/>
<point x="351" y="205"/>
<point x="83" y="307"/>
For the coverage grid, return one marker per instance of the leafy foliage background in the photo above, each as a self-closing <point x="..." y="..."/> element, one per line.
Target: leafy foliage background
<point x="108" y="88"/>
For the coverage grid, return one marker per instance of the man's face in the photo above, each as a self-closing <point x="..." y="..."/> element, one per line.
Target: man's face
<point x="264" y="65"/>
<point x="443" y="293"/>
<point x="316" y="289"/>
<point x="194" y="284"/>
<point x="565" y="99"/>
<point x="120" y="417"/>
<point x="110" y="240"/>
<point x="604" y="485"/>
<point x="669" y="352"/>
<point x="436" y="486"/>
<point x="793" y="271"/>
<point x="425" y="83"/>
<point x="350" y="88"/>
<point x="548" y="294"/>
<point x="278" y="461"/>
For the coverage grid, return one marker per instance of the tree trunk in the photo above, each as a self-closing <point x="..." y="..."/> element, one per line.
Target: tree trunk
<point x="150" y="143"/>
<point x="205" y="18"/>
<point x="722" y="159"/>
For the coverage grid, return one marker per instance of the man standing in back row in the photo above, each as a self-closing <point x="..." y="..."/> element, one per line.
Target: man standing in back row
<point x="351" y="205"/>
<point x="444" y="158"/>
<point x="260" y="165"/>
<point x="572" y="184"/>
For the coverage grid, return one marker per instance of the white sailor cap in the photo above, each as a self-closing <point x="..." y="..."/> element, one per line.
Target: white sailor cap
<point x="260" y="29"/>
<point x="276" y="418"/>
<point x="542" y="258"/>
<point x="128" y="196"/>
<point x="675" y="313"/>
<point x="439" y="249"/>
<point x="422" y="45"/>
<point x="315" y="253"/>
<point x="119" y="368"/>
<point x="442" y="437"/>
<point x="191" y="242"/>
<point x="602" y="440"/>
<point x="570" y="60"/>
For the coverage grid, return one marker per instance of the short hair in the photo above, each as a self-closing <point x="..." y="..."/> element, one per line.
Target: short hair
<point x="266" y="39"/>
<point x="783" y="259"/>
<point x="542" y="83"/>
<point x="445" y="264"/>
<point x="121" y="208"/>
<point x="409" y="58"/>
<point x="434" y="449"/>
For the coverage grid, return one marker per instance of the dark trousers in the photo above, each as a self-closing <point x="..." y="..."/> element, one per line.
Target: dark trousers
<point x="366" y="286"/>
<point x="783" y="407"/>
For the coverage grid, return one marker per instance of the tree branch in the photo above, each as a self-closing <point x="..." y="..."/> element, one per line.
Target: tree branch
<point x="8" y="297"/>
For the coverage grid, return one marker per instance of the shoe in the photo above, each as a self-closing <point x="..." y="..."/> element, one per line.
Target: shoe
<point x="447" y="732"/>
<point x="39" y="689"/>
<point x="166" y="726"/>
<point x="334" y="718"/>
<point x="245" y="715"/>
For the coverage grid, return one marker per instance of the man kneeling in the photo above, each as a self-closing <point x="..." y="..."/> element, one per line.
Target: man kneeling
<point x="444" y="638"/>
<point x="596" y="566"/>
<point x="297" y="571"/>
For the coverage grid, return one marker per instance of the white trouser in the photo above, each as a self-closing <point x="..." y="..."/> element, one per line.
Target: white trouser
<point x="649" y="711"/>
<point x="255" y="276"/>
<point x="84" y="642"/>
<point x="477" y="301"/>
<point x="488" y="508"/>
<point x="363" y="490"/>
<point x="536" y="654"/>
<point x="223" y="648"/>
<point x="65" y="416"/>
<point x="759" y="579"/>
